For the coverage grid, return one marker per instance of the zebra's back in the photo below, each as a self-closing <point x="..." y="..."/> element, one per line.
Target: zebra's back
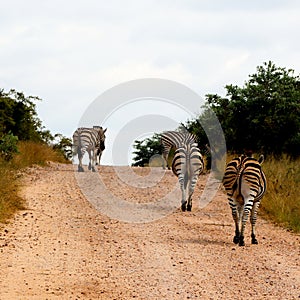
<point x="174" y="139"/>
<point x="85" y="137"/>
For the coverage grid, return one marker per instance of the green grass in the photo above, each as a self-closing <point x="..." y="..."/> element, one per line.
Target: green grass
<point x="30" y="154"/>
<point x="282" y="200"/>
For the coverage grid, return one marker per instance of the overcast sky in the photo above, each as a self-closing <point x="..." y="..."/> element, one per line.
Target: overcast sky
<point x="70" y="52"/>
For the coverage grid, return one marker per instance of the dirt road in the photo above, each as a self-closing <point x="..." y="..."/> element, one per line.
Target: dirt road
<point x="61" y="247"/>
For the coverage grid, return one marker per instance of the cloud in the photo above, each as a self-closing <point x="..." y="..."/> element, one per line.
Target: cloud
<point x="69" y="52"/>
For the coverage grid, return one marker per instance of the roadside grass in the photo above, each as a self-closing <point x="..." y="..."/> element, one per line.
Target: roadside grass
<point x="282" y="200"/>
<point x="30" y="153"/>
<point x="10" y="201"/>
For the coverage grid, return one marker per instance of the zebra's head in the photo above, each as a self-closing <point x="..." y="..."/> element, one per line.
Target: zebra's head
<point x="101" y="136"/>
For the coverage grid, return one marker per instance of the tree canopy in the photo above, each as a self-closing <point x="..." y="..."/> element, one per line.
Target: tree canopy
<point x="19" y="122"/>
<point x="146" y="149"/>
<point x="18" y="116"/>
<point x="264" y="114"/>
<point x="261" y="116"/>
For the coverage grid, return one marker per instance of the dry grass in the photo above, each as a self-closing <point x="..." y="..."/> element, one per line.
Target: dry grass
<point x="9" y="198"/>
<point x="35" y="153"/>
<point x="30" y="153"/>
<point x="282" y="200"/>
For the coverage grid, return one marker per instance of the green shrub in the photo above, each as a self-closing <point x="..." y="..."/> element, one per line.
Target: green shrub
<point x="8" y="146"/>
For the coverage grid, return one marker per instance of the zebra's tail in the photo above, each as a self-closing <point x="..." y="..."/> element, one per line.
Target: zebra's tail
<point x="77" y="144"/>
<point x="186" y="179"/>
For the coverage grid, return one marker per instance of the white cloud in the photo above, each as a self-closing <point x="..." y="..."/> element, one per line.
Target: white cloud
<point x="70" y="52"/>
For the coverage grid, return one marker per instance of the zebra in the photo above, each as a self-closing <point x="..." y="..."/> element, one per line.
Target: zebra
<point x="174" y="139"/>
<point x="91" y="140"/>
<point x="187" y="165"/>
<point x="101" y="147"/>
<point x="245" y="185"/>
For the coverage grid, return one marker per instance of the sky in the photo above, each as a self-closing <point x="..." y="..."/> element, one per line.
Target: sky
<point x="68" y="53"/>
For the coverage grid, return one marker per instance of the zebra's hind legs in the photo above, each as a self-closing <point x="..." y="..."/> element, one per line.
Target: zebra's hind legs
<point x="253" y="239"/>
<point x="241" y="241"/>
<point x="236" y="239"/>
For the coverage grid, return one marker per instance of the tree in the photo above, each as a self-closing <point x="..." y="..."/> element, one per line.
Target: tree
<point x="18" y="115"/>
<point x="8" y="146"/>
<point x="64" y="145"/>
<point x="146" y="149"/>
<point x="264" y="115"/>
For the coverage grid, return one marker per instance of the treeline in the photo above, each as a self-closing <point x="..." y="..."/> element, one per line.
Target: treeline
<point x="19" y="122"/>
<point x="23" y="142"/>
<point x="263" y="116"/>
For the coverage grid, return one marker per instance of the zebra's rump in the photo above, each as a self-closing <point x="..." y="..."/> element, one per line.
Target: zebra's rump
<point x="175" y="139"/>
<point x="187" y="160"/>
<point x="244" y="171"/>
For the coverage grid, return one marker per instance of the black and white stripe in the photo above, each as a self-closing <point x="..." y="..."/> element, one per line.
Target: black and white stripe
<point x="245" y="185"/>
<point x="91" y="140"/>
<point x="101" y="147"/>
<point x="187" y="165"/>
<point x="174" y="139"/>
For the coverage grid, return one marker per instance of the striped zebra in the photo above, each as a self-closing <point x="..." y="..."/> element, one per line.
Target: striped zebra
<point x="187" y="165"/>
<point x="101" y="147"/>
<point x="91" y="140"/>
<point x="174" y="139"/>
<point x="245" y="185"/>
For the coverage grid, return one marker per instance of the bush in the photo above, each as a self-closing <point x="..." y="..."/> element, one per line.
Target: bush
<point x="8" y="146"/>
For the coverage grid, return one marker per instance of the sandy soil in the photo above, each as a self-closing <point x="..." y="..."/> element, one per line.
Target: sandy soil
<point x="61" y="247"/>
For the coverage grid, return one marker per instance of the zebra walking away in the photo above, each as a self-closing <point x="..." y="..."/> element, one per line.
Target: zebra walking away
<point x="101" y="147"/>
<point x="174" y="139"/>
<point x="91" y="140"/>
<point x="187" y="165"/>
<point x="245" y="185"/>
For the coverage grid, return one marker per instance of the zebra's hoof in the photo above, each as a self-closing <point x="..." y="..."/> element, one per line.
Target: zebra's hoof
<point x="254" y="241"/>
<point x="189" y="208"/>
<point x="183" y="208"/>
<point x="80" y="169"/>
<point x="236" y="239"/>
<point x="241" y="242"/>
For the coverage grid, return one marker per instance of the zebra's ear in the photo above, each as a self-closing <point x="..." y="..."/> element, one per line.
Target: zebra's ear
<point x="261" y="159"/>
<point x="104" y="130"/>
